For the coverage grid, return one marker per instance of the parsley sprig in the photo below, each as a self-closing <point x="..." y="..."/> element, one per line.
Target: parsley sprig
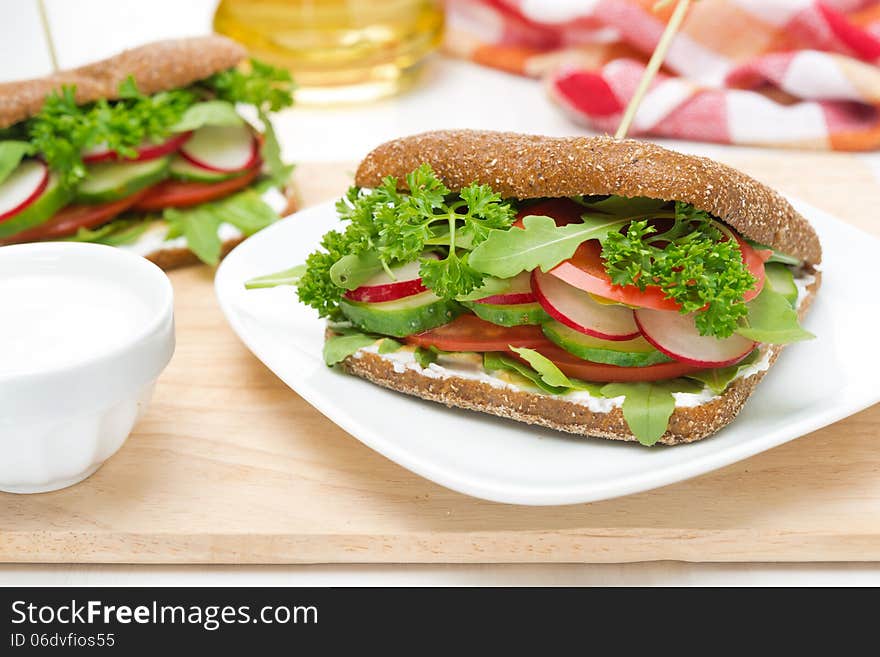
<point x="62" y="130"/>
<point x="694" y="262"/>
<point x="396" y="227"/>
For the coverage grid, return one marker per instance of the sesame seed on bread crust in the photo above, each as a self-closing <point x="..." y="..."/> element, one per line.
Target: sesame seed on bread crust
<point x="532" y="166"/>
<point x="687" y="424"/>
<point x="157" y="66"/>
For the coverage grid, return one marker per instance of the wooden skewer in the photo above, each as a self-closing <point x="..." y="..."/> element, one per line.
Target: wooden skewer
<point x="653" y="65"/>
<point x="47" y="32"/>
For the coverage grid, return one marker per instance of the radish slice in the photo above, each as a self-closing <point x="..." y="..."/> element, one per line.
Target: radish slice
<point x="676" y="335"/>
<point x="382" y="287"/>
<point x="23" y="186"/>
<point x="578" y="310"/>
<point x="520" y="291"/>
<point x="146" y="151"/>
<point x="224" y="148"/>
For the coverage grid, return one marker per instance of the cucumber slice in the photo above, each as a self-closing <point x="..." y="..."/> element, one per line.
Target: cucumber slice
<point x="513" y="314"/>
<point x="53" y="198"/>
<point x="401" y="317"/>
<point x="625" y="353"/>
<point x="182" y="169"/>
<point x="781" y="280"/>
<point x="111" y="181"/>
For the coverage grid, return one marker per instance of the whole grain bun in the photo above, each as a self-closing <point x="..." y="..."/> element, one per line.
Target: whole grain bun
<point x="530" y="166"/>
<point x="157" y="66"/>
<point x="687" y="424"/>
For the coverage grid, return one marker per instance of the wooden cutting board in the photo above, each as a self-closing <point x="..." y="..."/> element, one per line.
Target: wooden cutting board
<point x="230" y="466"/>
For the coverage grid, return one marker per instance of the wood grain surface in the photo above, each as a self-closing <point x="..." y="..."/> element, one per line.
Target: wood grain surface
<point x="230" y="466"/>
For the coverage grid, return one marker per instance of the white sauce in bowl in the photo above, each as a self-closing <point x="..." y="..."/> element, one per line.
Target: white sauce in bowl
<point x="50" y="320"/>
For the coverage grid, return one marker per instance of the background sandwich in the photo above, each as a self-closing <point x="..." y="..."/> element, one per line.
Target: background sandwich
<point x="600" y="287"/>
<point x="146" y="150"/>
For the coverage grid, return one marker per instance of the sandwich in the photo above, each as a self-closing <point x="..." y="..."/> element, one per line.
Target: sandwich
<point x="600" y="287"/>
<point x="148" y="150"/>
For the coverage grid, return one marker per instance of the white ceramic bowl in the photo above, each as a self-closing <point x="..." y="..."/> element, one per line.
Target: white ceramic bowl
<point x="70" y="396"/>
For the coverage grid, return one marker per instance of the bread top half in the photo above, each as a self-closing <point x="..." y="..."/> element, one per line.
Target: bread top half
<point x="155" y="67"/>
<point x="531" y="166"/>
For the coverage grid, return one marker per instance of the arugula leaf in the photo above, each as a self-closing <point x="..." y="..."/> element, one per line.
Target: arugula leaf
<point x="279" y="172"/>
<point x="541" y="243"/>
<point x="718" y="378"/>
<point x="352" y="271"/>
<point x="389" y="346"/>
<point x="209" y="112"/>
<point x="425" y="357"/>
<point x="494" y="361"/>
<point x="546" y="369"/>
<point x="340" y="347"/>
<point x="647" y="408"/>
<point x="286" y="277"/>
<point x="691" y="262"/>
<point x="624" y="206"/>
<point x="11" y="154"/>
<point x="772" y="320"/>
<point x="490" y="287"/>
<point x="116" y="233"/>
<point x="200" y="224"/>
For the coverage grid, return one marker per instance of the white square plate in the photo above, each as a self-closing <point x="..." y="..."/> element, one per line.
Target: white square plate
<point x="812" y="384"/>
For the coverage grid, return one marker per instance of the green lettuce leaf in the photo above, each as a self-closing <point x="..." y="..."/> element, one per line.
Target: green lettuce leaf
<point x="209" y="112"/>
<point x="11" y="154"/>
<point x="772" y="320"/>
<point x="286" y="277"/>
<point x="340" y="347"/>
<point x="541" y="243"/>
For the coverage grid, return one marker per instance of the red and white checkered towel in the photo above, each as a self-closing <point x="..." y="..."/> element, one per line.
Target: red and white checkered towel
<point x="790" y="73"/>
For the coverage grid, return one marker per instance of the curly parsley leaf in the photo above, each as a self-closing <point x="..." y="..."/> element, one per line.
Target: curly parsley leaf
<point x="63" y="130"/>
<point x="266" y="87"/>
<point x="387" y="227"/>
<point x="691" y="262"/>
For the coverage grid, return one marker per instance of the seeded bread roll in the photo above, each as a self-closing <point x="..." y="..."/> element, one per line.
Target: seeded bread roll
<point x="157" y="66"/>
<point x="530" y="166"/>
<point x="686" y="425"/>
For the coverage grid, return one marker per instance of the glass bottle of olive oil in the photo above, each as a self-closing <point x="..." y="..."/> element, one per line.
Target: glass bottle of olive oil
<point x="337" y="50"/>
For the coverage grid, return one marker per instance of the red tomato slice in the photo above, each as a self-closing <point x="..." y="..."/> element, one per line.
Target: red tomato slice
<point x="71" y="218"/>
<point x="754" y="260"/>
<point x="572" y="366"/>
<point x="586" y="270"/>
<point x="470" y="333"/>
<point x="176" y="194"/>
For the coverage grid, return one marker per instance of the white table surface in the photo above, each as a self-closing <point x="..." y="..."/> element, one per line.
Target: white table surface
<point x="452" y="94"/>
